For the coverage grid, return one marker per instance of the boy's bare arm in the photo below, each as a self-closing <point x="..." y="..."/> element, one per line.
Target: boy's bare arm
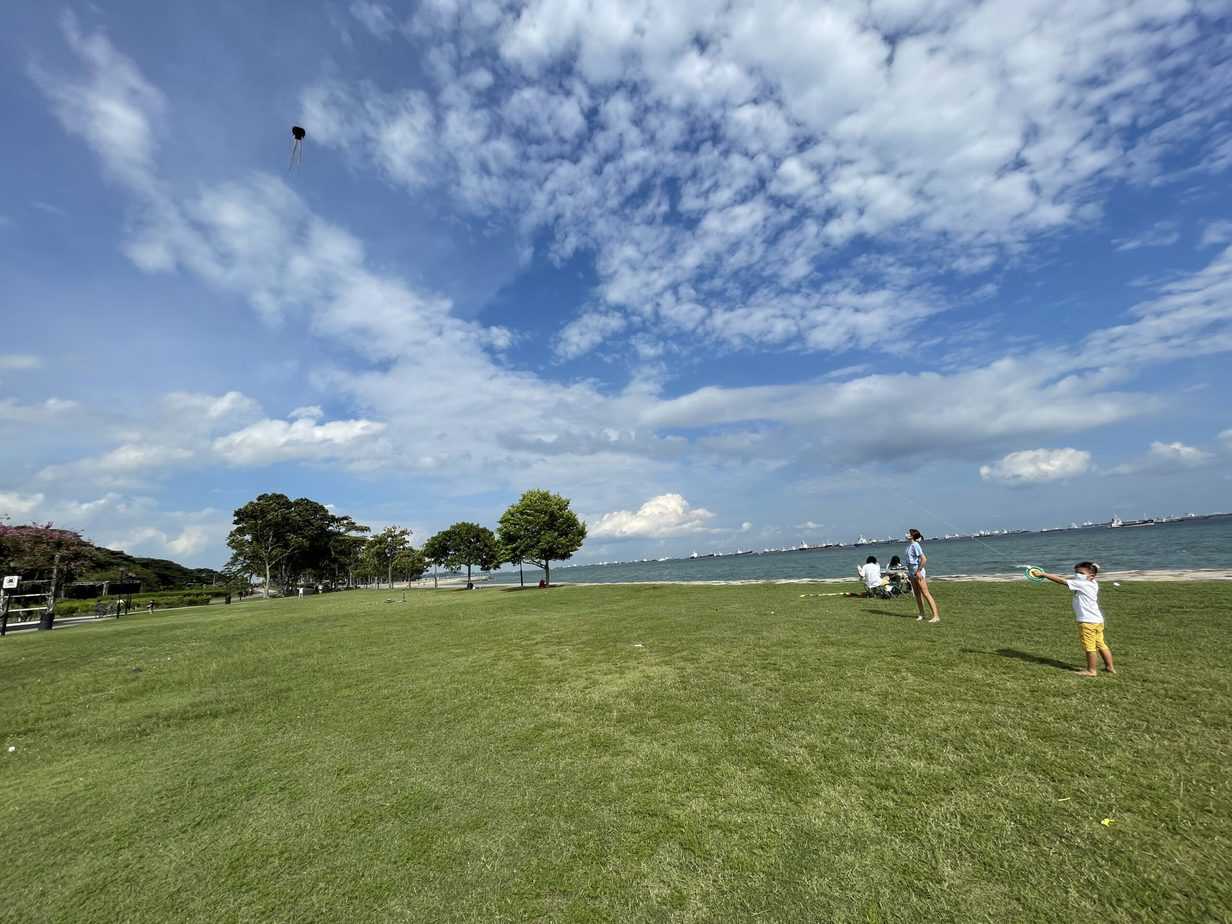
<point x="1056" y="579"/>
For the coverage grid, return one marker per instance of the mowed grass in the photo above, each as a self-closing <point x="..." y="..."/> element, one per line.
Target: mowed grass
<point x="623" y="754"/>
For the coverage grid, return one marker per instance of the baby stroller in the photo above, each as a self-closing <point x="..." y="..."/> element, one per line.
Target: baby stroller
<point x="894" y="582"/>
<point x="888" y="589"/>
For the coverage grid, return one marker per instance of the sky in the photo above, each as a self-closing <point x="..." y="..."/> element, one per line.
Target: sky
<point x="725" y="274"/>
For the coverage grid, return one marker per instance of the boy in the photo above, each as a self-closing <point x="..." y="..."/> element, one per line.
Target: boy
<point x="1086" y="610"/>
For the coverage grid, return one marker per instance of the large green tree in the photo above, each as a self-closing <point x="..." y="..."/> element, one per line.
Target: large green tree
<point x="274" y="535"/>
<point x="468" y="544"/>
<point x="540" y="529"/>
<point x="384" y="548"/>
<point x="436" y="552"/>
<point x="263" y="536"/>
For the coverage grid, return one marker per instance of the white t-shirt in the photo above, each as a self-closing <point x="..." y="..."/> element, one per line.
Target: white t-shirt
<point x="1086" y="599"/>
<point x="871" y="574"/>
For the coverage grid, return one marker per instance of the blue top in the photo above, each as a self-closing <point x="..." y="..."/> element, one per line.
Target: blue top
<point x="914" y="552"/>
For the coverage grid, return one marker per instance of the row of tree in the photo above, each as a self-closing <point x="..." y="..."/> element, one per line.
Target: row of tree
<point x="285" y="542"/>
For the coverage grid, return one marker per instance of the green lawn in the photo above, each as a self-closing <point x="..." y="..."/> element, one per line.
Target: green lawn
<point x="623" y="754"/>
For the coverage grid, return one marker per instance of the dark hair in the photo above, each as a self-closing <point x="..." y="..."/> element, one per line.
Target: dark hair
<point x="1087" y="566"/>
<point x="915" y="534"/>
<point x="871" y="560"/>
<point x="895" y="561"/>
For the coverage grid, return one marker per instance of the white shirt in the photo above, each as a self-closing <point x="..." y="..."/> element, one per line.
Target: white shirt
<point x="871" y="574"/>
<point x="1086" y="599"/>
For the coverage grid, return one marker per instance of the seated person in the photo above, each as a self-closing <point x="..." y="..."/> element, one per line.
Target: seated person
<point x="870" y="574"/>
<point x="896" y="572"/>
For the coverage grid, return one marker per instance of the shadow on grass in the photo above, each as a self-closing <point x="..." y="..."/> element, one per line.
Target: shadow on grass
<point x="899" y="614"/>
<point x="1025" y="656"/>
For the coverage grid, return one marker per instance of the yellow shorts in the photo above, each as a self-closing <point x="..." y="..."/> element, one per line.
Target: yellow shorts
<point x="1091" y="634"/>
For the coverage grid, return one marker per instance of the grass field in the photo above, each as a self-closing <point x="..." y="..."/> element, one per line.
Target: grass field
<point x="623" y="754"/>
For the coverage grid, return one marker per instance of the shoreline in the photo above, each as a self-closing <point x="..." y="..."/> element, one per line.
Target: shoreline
<point x="1159" y="574"/>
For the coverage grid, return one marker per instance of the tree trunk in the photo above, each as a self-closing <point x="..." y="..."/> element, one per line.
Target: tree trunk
<point x="267" y="580"/>
<point x="468" y="575"/>
<point x="522" y="575"/>
<point x="547" y="572"/>
<point x="434" y="584"/>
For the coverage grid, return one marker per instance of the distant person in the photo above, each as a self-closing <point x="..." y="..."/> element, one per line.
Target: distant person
<point x="1089" y="616"/>
<point x="301" y="593"/>
<point x="916" y="574"/>
<point x="870" y="575"/>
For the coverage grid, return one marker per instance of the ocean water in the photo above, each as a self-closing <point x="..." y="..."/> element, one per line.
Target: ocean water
<point x="1186" y="544"/>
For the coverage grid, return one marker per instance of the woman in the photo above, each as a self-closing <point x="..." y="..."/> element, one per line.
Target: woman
<point x="916" y="560"/>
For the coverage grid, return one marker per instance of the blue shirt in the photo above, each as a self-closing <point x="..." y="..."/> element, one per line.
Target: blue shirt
<point x="914" y="552"/>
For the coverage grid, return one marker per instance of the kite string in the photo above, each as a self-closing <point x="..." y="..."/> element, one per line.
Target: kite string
<point x="998" y="555"/>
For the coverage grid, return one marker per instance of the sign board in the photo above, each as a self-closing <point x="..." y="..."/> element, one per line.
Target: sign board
<point x="11" y="581"/>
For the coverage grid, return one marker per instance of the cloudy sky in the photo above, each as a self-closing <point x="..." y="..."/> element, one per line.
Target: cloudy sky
<point x="725" y="273"/>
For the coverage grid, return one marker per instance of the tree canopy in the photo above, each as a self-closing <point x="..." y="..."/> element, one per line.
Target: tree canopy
<point x="540" y="529"/>
<point x="466" y="544"/>
<point x="285" y="540"/>
<point x="384" y="548"/>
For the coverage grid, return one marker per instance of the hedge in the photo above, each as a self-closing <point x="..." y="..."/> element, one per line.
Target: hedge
<point x="161" y="601"/>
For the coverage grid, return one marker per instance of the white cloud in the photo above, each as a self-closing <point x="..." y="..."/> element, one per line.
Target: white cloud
<point x="188" y="407"/>
<point x="660" y="517"/>
<point x="20" y="361"/>
<point x="19" y="505"/>
<point x="307" y="412"/>
<point x="377" y="18"/>
<point x="151" y="541"/>
<point x="1161" y="234"/>
<point x="1177" y="453"/>
<point x="277" y="440"/>
<point x="191" y="541"/>
<point x="1163" y="458"/>
<point x="585" y="332"/>
<point x="1216" y="233"/>
<point x="716" y="156"/>
<point x="1037" y="465"/>
<point x="112" y="106"/>
<point x="42" y="412"/>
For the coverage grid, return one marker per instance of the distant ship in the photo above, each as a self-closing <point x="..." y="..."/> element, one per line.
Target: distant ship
<point x="1116" y="521"/>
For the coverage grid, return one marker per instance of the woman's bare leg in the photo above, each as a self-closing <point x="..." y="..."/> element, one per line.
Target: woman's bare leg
<point x="922" y="585"/>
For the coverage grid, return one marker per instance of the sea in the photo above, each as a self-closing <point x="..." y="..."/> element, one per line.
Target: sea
<point x="1189" y="544"/>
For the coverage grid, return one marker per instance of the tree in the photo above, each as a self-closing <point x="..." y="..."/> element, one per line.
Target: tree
<point x="385" y="547"/>
<point x="540" y="528"/>
<point x="509" y="555"/>
<point x="410" y="564"/>
<point x="264" y="535"/>
<point x="346" y="553"/>
<point x="39" y="549"/>
<point x="292" y="537"/>
<point x="469" y="544"/>
<point x="436" y="552"/>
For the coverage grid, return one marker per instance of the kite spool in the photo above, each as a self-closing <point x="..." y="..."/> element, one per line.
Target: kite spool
<point x="1034" y="575"/>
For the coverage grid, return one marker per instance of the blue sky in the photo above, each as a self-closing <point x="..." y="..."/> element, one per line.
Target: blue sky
<point x="726" y="274"/>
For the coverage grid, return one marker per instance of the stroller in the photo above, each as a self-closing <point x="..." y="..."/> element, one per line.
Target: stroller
<point x="894" y="582"/>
